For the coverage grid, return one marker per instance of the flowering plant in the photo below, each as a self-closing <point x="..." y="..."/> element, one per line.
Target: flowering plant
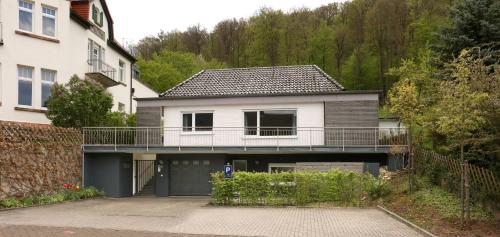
<point x="70" y="187"/>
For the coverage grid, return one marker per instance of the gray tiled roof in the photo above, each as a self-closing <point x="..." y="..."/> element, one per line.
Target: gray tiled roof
<point x="256" y="81"/>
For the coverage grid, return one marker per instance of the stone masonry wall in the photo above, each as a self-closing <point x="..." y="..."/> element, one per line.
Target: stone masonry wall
<point x="36" y="159"/>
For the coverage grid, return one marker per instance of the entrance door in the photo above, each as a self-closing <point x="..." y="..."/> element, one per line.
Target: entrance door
<point x="161" y="177"/>
<point x="191" y="177"/>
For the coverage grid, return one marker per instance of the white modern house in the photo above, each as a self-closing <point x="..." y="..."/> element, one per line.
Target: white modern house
<point x="263" y="119"/>
<point x="47" y="41"/>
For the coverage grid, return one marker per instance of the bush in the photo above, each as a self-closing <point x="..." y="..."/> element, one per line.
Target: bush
<point x="69" y="192"/>
<point x="298" y="188"/>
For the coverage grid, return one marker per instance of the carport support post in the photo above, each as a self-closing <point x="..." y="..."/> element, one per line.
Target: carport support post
<point x="212" y="140"/>
<point x="310" y="139"/>
<point x="277" y="139"/>
<point x="147" y="139"/>
<point x="343" y="139"/>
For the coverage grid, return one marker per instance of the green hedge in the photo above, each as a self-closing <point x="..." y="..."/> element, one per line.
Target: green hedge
<point x="299" y="188"/>
<point x="68" y="193"/>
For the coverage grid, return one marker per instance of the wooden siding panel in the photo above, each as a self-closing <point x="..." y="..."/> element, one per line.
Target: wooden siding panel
<point x="351" y="113"/>
<point x="148" y="116"/>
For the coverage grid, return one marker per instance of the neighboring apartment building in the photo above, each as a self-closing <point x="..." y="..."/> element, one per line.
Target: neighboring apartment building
<point x="49" y="41"/>
<point x="264" y="119"/>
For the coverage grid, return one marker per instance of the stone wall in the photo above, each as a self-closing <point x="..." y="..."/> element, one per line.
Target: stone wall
<point x="36" y="159"/>
<point x="326" y="166"/>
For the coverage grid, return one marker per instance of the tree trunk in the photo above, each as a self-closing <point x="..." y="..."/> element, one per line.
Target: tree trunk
<point x="410" y="162"/>
<point x="467" y="191"/>
<point x="462" y="182"/>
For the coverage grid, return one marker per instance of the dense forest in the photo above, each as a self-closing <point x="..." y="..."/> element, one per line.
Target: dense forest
<point x="411" y="50"/>
<point x="356" y="41"/>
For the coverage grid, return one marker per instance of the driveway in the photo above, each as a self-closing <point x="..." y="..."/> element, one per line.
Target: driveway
<point x="186" y="216"/>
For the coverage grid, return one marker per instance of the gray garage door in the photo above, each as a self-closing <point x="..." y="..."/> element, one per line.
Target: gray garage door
<point x="190" y="177"/>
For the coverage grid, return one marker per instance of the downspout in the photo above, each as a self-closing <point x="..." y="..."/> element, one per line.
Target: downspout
<point x="131" y="86"/>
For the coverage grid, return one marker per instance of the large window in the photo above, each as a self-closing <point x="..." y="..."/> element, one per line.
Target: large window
<point x="121" y="71"/>
<point x="282" y="167"/>
<point x="198" y="121"/>
<point x="239" y="165"/>
<point x="48" y="80"/>
<point x="25" y="88"/>
<point x="271" y="123"/>
<point x="49" y="21"/>
<point x="26" y="16"/>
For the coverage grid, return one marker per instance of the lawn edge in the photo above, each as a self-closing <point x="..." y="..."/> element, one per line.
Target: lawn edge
<point x="406" y="222"/>
<point x="50" y="204"/>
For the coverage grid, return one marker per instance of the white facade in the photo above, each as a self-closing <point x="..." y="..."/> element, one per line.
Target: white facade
<point x="65" y="54"/>
<point x="141" y="91"/>
<point x="229" y="123"/>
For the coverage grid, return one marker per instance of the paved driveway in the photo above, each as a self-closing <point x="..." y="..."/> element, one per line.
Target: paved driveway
<point x="192" y="216"/>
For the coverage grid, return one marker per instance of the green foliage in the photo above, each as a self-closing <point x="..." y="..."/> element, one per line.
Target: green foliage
<point x="474" y="22"/>
<point x="443" y="201"/>
<point x="79" y="103"/>
<point x="458" y="111"/>
<point x="167" y="68"/>
<point x="299" y="188"/>
<point x="356" y="41"/>
<point x="55" y="197"/>
<point x="119" y="119"/>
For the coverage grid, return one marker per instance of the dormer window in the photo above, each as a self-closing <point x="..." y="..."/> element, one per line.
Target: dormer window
<point x="97" y="15"/>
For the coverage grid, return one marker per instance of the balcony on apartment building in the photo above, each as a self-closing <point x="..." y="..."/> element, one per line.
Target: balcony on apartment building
<point x="101" y="72"/>
<point x="244" y="139"/>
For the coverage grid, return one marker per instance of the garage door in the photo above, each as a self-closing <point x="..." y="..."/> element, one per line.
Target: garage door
<point x="190" y="177"/>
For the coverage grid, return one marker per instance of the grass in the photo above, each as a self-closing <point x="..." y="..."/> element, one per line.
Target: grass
<point x="68" y="193"/>
<point x="437" y="210"/>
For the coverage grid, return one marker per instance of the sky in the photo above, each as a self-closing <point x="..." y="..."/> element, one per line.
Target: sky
<point x="134" y="20"/>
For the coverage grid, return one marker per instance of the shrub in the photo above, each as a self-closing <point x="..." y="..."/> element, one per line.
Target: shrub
<point x="298" y="188"/>
<point x="69" y="192"/>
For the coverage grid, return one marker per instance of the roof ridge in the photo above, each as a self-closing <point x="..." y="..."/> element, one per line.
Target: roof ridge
<point x="329" y="77"/>
<point x="260" y="67"/>
<point x="182" y="83"/>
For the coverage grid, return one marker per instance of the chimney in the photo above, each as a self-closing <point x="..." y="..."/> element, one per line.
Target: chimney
<point x="81" y="8"/>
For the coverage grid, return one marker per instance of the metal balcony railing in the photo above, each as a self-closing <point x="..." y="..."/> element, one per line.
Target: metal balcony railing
<point x="99" y="66"/>
<point x="245" y="137"/>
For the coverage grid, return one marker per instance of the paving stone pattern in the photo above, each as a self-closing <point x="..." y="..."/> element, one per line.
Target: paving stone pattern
<point x="194" y="216"/>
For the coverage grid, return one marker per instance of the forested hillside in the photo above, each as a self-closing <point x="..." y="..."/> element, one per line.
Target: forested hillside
<point x="356" y="41"/>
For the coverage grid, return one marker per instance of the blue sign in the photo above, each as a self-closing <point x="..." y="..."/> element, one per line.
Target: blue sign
<point x="228" y="171"/>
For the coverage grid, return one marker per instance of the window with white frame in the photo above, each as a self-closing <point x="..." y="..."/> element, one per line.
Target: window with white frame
<point x="282" y="167"/>
<point x="239" y="165"/>
<point x="121" y="71"/>
<point x="26" y="16"/>
<point x="49" y="21"/>
<point x="48" y="80"/>
<point x="200" y="121"/>
<point x="121" y="107"/>
<point x="271" y="123"/>
<point x="25" y="85"/>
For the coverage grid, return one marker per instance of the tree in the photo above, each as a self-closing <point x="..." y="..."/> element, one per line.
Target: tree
<point x="168" y="68"/>
<point x="474" y="22"/>
<point x="79" y="103"/>
<point x="406" y="100"/>
<point x="460" y="114"/>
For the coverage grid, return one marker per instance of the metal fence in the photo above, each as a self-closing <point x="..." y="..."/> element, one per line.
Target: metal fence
<point x="211" y="137"/>
<point x="99" y="66"/>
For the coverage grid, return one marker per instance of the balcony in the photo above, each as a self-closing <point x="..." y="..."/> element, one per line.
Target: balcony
<point x="101" y="72"/>
<point x="1" y="33"/>
<point x="243" y="140"/>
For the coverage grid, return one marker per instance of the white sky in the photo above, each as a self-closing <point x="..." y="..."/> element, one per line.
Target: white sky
<point x="136" y="19"/>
